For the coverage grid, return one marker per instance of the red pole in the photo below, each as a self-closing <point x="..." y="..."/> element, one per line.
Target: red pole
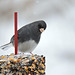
<point x="15" y="16"/>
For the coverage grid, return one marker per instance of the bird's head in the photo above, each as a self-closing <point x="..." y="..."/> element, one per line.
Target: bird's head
<point x="41" y="26"/>
<point x="37" y="27"/>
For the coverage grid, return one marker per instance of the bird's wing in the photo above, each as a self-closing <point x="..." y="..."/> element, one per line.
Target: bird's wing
<point x="23" y="35"/>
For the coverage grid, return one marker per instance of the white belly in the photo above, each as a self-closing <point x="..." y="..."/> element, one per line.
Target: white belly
<point x="28" y="46"/>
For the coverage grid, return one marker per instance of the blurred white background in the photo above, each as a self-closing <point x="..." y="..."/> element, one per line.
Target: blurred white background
<point x="57" y="42"/>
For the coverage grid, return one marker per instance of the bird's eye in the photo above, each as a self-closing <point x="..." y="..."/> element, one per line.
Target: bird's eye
<point x="40" y="26"/>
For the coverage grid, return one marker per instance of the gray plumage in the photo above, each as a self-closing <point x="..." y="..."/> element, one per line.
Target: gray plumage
<point x="28" y="35"/>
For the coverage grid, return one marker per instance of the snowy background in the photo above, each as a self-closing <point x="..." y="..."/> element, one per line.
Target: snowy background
<point x="57" y="42"/>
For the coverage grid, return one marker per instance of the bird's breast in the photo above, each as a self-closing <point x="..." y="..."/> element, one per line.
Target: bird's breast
<point x="27" y="46"/>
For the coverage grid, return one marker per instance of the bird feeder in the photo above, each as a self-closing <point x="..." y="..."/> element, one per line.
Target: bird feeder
<point x="18" y="64"/>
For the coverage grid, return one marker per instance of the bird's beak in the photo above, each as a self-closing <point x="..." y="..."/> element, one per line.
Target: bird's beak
<point x="41" y="29"/>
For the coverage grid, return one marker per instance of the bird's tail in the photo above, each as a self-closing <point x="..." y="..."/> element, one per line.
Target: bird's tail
<point x="6" y="46"/>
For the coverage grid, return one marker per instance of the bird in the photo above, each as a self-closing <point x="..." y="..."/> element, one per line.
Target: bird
<point x="28" y="37"/>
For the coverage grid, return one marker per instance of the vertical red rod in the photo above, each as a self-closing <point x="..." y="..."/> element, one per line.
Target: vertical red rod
<point x="15" y="16"/>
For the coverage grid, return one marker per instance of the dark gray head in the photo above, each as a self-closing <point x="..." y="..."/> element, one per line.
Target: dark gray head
<point x="39" y="25"/>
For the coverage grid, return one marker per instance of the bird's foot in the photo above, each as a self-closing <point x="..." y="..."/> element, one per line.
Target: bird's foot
<point x="21" y="53"/>
<point x="31" y="53"/>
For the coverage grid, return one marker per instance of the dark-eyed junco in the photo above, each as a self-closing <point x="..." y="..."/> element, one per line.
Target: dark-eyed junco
<point x="28" y="36"/>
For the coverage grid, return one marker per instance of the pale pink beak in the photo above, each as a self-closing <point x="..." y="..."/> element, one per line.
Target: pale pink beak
<point x="41" y="29"/>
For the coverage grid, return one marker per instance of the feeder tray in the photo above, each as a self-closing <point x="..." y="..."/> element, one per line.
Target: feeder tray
<point x="22" y="65"/>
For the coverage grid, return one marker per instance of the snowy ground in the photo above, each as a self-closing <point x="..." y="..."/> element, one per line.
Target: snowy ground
<point x="57" y="42"/>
